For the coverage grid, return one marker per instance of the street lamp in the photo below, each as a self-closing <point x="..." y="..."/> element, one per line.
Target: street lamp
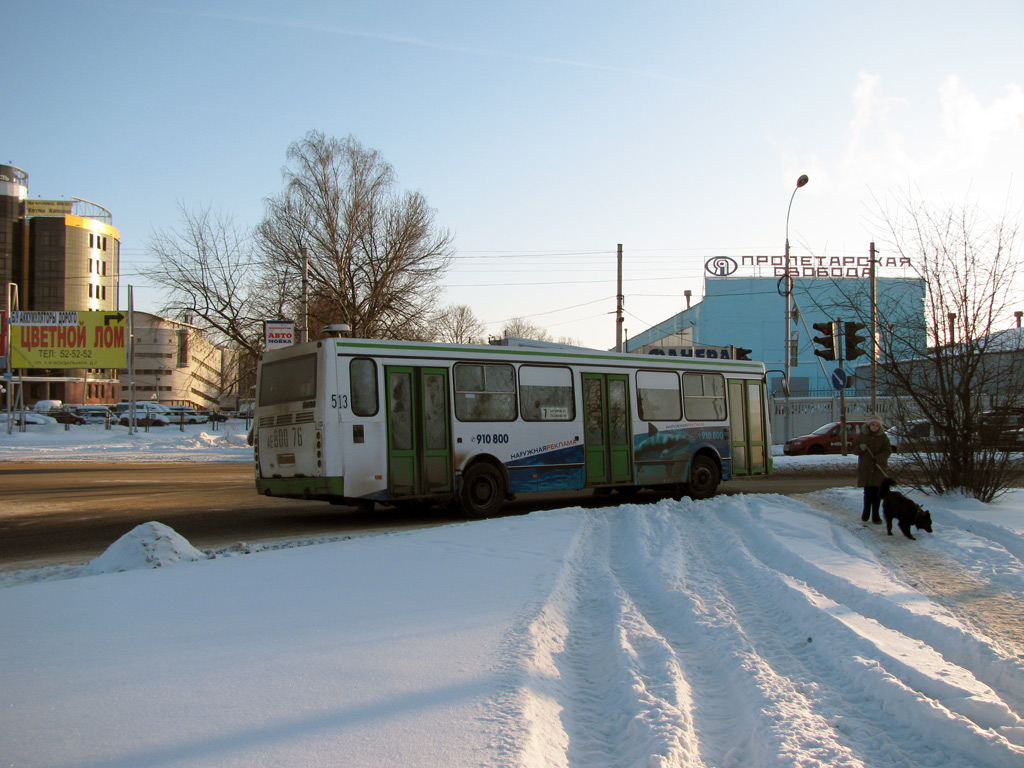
<point x="786" y="348"/>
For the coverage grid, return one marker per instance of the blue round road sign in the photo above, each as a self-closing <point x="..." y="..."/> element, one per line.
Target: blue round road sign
<point x="838" y="379"/>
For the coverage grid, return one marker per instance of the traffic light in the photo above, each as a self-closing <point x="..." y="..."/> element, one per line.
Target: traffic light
<point x="827" y="340"/>
<point x="742" y="353"/>
<point x="853" y="341"/>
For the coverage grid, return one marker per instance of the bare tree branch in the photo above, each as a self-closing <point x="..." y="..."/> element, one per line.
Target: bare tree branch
<point x="955" y="364"/>
<point x="456" y="324"/>
<point x="376" y="257"/>
<point x="207" y="271"/>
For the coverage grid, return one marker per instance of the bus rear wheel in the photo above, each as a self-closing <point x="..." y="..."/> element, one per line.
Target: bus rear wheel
<point x="704" y="478"/>
<point x="483" y="491"/>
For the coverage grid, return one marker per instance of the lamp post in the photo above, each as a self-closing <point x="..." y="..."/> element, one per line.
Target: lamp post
<point x="787" y="342"/>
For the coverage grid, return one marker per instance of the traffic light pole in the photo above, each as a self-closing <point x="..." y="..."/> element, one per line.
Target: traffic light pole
<point x="840" y="334"/>
<point x="839" y="341"/>
<point x="874" y="330"/>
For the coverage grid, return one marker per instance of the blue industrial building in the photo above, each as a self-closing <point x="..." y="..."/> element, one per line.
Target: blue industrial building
<point x="750" y="312"/>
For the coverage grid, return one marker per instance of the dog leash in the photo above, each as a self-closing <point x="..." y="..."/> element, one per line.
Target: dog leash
<point x="881" y="469"/>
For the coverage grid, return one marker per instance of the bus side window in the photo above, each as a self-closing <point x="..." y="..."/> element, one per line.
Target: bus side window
<point x="704" y="396"/>
<point x="658" y="395"/>
<point x="546" y="394"/>
<point x="485" y="392"/>
<point x="363" y="383"/>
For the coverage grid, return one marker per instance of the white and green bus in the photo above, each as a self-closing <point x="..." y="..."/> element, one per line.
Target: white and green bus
<point x="360" y="421"/>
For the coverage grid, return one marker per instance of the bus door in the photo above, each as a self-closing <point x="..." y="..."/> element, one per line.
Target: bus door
<point x="747" y="427"/>
<point x="607" y="443"/>
<point x="419" y="431"/>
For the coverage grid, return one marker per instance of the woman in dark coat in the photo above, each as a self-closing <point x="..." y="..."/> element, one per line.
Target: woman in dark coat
<point x="873" y="450"/>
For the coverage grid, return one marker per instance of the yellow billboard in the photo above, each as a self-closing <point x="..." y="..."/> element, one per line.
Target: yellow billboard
<point x="68" y="339"/>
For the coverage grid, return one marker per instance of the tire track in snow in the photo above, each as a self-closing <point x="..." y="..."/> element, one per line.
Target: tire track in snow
<point x="604" y="689"/>
<point x="971" y="601"/>
<point x="942" y="691"/>
<point x="678" y="635"/>
<point x="996" y="611"/>
<point x="703" y="599"/>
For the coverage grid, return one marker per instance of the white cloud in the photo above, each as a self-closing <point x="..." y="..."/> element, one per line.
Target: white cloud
<point x="944" y="145"/>
<point x="976" y="135"/>
<point x="876" y="147"/>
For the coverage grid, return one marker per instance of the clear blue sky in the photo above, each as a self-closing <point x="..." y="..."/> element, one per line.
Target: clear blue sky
<point x="543" y="132"/>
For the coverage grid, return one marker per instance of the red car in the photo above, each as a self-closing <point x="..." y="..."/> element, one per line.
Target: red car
<point x="65" y="417"/>
<point x="825" y="439"/>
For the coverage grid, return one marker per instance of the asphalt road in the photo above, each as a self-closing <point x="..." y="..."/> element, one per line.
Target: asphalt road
<point x="68" y="512"/>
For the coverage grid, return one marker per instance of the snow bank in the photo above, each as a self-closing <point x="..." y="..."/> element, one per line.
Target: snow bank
<point x="150" y="545"/>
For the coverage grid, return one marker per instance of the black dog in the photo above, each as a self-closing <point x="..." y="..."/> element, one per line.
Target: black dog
<point x="896" y="506"/>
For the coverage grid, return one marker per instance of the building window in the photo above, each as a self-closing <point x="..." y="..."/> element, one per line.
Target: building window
<point x="182" y="349"/>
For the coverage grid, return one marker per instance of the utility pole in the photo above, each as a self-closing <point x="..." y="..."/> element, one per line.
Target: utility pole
<point x="132" y="428"/>
<point x="618" y="307"/>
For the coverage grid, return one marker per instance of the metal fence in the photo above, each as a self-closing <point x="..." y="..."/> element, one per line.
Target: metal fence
<point x="806" y="414"/>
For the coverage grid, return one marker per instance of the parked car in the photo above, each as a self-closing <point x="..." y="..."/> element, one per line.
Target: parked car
<point x="95" y="414"/>
<point x="147" y="414"/>
<point x="145" y="419"/>
<point x="32" y="419"/>
<point x="245" y="411"/>
<point x="65" y="416"/>
<point x="181" y="414"/>
<point x="1002" y="428"/>
<point x="45" y="406"/>
<point x="214" y="415"/>
<point x="919" y="435"/>
<point x="825" y="439"/>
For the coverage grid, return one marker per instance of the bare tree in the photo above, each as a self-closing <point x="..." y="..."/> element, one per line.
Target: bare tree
<point x="208" y="272"/>
<point x="375" y="255"/>
<point x="570" y="340"/>
<point x="457" y="324"/>
<point x="950" y="363"/>
<point x="522" y="328"/>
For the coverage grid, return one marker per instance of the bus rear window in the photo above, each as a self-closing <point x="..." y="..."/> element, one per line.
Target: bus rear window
<point x="288" y="381"/>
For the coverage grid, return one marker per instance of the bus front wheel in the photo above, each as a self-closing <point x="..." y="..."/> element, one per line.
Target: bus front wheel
<point x="483" y="491"/>
<point x="704" y="478"/>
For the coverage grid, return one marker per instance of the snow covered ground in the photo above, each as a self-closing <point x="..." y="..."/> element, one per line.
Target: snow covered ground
<point x="225" y="441"/>
<point x="750" y="631"/>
